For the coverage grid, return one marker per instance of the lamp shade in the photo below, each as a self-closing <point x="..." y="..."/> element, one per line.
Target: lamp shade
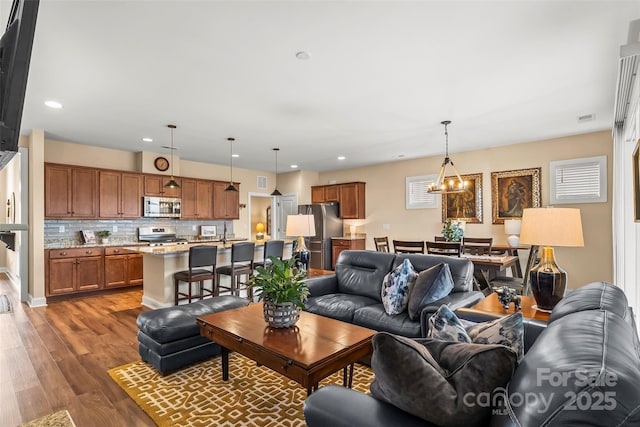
<point x="552" y="227"/>
<point x="300" y="225"/>
<point x="512" y="226"/>
<point x="260" y="227"/>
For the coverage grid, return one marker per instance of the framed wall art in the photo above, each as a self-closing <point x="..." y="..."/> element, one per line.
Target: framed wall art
<point x="466" y="205"/>
<point x="513" y="191"/>
<point x="636" y="182"/>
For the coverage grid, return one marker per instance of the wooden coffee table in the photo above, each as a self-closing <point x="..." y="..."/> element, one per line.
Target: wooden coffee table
<point x="313" y="349"/>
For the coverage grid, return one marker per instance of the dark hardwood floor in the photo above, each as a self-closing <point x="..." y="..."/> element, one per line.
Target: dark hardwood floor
<point x="57" y="357"/>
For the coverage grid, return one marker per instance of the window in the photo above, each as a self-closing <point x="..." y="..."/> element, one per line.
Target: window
<point x="417" y="196"/>
<point x="579" y="180"/>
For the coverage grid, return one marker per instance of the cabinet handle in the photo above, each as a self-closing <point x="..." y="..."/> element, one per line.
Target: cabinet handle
<point x="240" y="340"/>
<point x="89" y="252"/>
<point x="63" y="254"/>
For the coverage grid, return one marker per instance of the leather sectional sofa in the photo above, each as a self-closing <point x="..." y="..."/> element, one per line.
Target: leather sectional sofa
<point x="582" y="369"/>
<point x="353" y="293"/>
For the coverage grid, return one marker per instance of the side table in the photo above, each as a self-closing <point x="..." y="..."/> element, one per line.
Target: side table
<point x="491" y="305"/>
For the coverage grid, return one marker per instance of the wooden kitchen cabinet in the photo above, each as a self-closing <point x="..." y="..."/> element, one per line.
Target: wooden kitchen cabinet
<point x="70" y="191"/>
<point x="154" y="186"/>
<point x="120" y="194"/>
<point x="339" y="245"/>
<point x="122" y="268"/>
<point x="74" y="270"/>
<point x="226" y="204"/>
<point x="350" y="196"/>
<point x="197" y="199"/>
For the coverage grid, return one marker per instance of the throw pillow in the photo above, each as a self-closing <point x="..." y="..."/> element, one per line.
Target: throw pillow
<point x="431" y="285"/>
<point x="396" y="287"/>
<point x="508" y="331"/>
<point x="444" y="325"/>
<point x="444" y="383"/>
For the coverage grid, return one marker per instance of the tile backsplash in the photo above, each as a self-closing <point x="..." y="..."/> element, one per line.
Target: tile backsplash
<point x="68" y="231"/>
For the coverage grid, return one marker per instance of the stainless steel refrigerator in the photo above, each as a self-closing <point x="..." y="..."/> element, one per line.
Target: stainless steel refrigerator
<point x="328" y="224"/>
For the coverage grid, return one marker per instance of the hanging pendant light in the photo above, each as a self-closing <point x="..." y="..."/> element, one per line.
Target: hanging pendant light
<point x="172" y="182"/>
<point x="231" y="187"/>
<point x="452" y="185"/>
<point x="275" y="191"/>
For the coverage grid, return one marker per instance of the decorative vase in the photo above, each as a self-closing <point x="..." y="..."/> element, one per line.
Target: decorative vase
<point x="281" y="315"/>
<point x="548" y="281"/>
<point x="104" y="240"/>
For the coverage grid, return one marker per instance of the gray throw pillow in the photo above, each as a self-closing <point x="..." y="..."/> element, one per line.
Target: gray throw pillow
<point x="431" y="285"/>
<point x="445" y="383"/>
<point x="508" y="330"/>
<point x="396" y="288"/>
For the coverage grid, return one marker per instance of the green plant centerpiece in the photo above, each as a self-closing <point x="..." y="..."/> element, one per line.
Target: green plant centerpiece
<point x="104" y="235"/>
<point x="452" y="231"/>
<point x="282" y="288"/>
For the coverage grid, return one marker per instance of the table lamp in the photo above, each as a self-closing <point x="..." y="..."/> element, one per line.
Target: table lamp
<point x="547" y="227"/>
<point x="301" y="226"/>
<point x="259" y="231"/>
<point x="512" y="228"/>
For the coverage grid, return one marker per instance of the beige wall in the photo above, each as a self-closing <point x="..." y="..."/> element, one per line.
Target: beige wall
<point x="10" y="183"/>
<point x="385" y="198"/>
<point x="299" y="182"/>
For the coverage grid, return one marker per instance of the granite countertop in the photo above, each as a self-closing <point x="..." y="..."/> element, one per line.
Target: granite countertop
<point x="71" y="244"/>
<point x="180" y="249"/>
<point x="350" y="237"/>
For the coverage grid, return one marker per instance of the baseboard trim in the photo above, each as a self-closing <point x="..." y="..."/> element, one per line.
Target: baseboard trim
<point x="36" y="302"/>
<point x="152" y="303"/>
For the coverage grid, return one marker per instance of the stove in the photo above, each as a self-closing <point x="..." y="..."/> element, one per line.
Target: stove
<point x="160" y="236"/>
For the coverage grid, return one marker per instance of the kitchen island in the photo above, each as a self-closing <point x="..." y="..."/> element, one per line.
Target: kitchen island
<point x="161" y="262"/>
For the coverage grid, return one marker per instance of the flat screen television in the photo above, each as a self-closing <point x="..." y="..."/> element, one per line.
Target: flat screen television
<point x="15" y="55"/>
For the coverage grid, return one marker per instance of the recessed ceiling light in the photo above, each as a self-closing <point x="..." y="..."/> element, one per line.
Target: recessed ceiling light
<point x="303" y="56"/>
<point x="294" y="166"/>
<point x="147" y="139"/>
<point x="341" y="157"/>
<point x="235" y="155"/>
<point x="53" y="104"/>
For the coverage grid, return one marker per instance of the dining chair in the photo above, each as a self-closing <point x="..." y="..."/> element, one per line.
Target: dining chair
<point x="477" y="245"/>
<point x="242" y="254"/>
<point x="520" y="284"/>
<point x="382" y="244"/>
<point x="272" y="248"/>
<point x="199" y="257"/>
<point x="444" y="248"/>
<point x="408" y="247"/>
<point x="439" y="239"/>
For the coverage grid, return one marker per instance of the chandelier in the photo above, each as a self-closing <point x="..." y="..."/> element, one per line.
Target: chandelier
<point x="172" y="182"/>
<point x="231" y="187"/>
<point x="451" y="185"/>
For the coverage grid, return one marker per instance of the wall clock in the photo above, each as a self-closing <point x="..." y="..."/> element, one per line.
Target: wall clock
<point x="161" y="163"/>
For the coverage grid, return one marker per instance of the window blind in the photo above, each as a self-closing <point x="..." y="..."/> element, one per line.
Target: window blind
<point x="579" y="180"/>
<point x="417" y="196"/>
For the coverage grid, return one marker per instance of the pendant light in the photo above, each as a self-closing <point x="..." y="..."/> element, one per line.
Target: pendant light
<point x="275" y="191"/>
<point x="172" y="182"/>
<point x="452" y="186"/>
<point x="231" y="187"/>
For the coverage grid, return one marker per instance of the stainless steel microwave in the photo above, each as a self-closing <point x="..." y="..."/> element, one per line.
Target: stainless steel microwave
<point x="162" y="207"/>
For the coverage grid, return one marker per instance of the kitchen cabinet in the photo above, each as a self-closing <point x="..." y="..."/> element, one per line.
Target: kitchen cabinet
<point x="197" y="199"/>
<point x="226" y="204"/>
<point x="340" y="244"/>
<point x="70" y="191"/>
<point x="154" y="186"/>
<point x="350" y="196"/>
<point x="122" y="268"/>
<point x="120" y="194"/>
<point x="74" y="270"/>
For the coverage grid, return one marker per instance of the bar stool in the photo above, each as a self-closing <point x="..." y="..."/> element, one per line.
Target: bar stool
<point x="199" y="256"/>
<point x="242" y="254"/>
<point x="272" y="248"/>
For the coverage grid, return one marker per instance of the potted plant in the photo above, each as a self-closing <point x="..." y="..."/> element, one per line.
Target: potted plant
<point x="282" y="288"/>
<point x="104" y="236"/>
<point x="452" y="231"/>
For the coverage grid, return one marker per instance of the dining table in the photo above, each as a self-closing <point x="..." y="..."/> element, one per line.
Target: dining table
<point x="487" y="266"/>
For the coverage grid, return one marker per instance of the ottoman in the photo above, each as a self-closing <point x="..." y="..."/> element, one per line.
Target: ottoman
<point x="169" y="338"/>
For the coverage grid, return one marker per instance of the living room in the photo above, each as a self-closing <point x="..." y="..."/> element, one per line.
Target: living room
<point x="610" y="234"/>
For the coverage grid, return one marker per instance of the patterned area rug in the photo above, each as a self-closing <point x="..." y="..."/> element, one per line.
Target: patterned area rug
<point x="5" y="304"/>
<point x="57" y="419"/>
<point x="197" y="396"/>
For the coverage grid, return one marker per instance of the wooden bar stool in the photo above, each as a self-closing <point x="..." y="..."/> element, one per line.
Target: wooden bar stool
<point x="242" y="254"/>
<point x="199" y="256"/>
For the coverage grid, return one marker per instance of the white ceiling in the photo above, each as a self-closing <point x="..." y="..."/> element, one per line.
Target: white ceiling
<point x="381" y="78"/>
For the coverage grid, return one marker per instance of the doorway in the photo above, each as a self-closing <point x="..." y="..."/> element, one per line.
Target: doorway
<point x="271" y="211"/>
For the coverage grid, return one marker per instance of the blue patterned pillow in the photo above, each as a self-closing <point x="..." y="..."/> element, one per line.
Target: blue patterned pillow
<point x="396" y="288"/>
<point x="508" y="331"/>
<point x="444" y="325"/>
<point x="431" y="285"/>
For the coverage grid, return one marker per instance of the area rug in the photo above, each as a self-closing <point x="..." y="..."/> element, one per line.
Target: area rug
<point x="57" y="419"/>
<point x="197" y="396"/>
<point x="5" y="304"/>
